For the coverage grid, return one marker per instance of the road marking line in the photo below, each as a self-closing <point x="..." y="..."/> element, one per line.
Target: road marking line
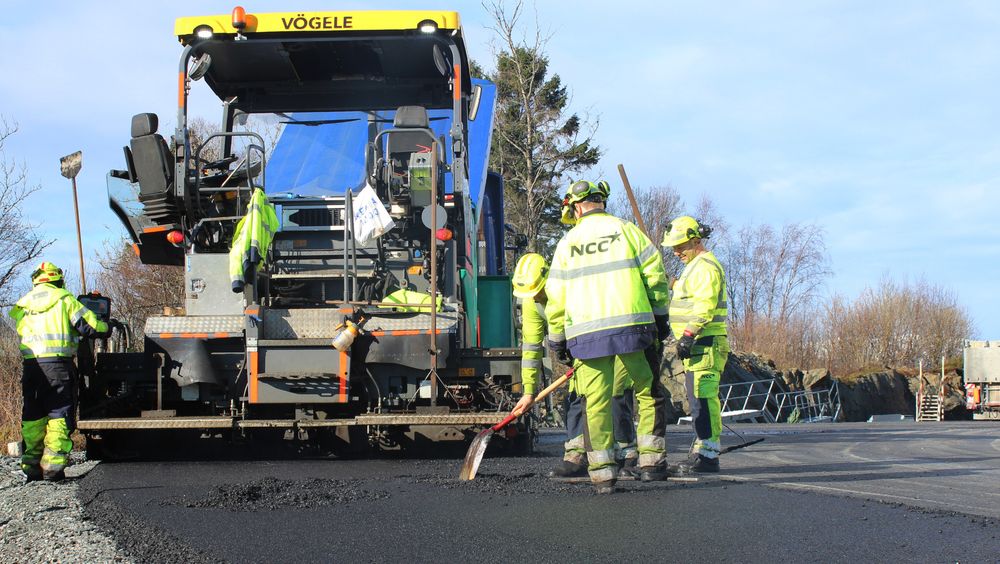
<point x="963" y="508"/>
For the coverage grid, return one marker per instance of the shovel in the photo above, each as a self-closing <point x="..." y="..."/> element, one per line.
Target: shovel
<point x="478" y="447"/>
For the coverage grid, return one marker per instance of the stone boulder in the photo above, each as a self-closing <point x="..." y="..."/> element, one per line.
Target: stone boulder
<point x="792" y="379"/>
<point x="816" y="379"/>
<point x="875" y="393"/>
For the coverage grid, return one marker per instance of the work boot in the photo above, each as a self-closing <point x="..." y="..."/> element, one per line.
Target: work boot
<point x="700" y="464"/>
<point x="31" y="473"/>
<point x="53" y="475"/>
<point x="604" y="488"/>
<point x="628" y="468"/>
<point x="567" y="469"/>
<point x="661" y="472"/>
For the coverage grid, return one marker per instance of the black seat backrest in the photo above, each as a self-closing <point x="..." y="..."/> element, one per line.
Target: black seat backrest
<point x="401" y="141"/>
<point x="154" y="164"/>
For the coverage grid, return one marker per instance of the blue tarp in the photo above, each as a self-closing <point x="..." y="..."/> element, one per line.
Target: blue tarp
<point x="324" y="154"/>
<point x="480" y="137"/>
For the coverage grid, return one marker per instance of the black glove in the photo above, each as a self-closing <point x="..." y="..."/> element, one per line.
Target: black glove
<point x="561" y="352"/>
<point x="662" y="327"/>
<point x="684" y="346"/>
<point x="565" y="357"/>
<point x="115" y="324"/>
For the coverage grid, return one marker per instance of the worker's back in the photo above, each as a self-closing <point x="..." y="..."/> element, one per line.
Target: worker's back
<point x="43" y="322"/>
<point x="606" y="279"/>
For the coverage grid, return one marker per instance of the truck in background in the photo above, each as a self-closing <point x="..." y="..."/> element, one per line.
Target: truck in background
<point x="982" y="379"/>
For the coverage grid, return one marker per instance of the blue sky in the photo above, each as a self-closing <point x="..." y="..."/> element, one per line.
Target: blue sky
<point x="876" y="120"/>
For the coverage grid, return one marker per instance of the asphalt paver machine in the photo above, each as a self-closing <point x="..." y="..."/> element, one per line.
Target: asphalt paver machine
<point x="379" y="100"/>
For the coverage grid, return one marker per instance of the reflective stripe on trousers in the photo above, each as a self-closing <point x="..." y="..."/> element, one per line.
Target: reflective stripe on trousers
<point x="652" y="450"/>
<point x="625" y="451"/>
<point x="575" y="450"/>
<point x="602" y="467"/>
<point x="707" y="448"/>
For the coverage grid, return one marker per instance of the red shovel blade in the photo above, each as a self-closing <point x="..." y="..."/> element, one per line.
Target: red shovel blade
<point x="475" y="455"/>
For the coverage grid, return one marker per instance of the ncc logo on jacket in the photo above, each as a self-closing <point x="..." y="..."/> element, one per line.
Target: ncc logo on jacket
<point x="600" y="246"/>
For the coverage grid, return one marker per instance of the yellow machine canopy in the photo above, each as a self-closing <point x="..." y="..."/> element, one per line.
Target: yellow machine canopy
<point x="331" y="61"/>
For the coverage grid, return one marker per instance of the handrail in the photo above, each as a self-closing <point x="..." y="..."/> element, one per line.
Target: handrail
<point x="246" y="158"/>
<point x="775" y="406"/>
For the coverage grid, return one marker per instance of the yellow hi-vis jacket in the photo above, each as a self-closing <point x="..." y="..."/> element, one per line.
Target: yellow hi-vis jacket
<point x="50" y="321"/>
<point x="252" y="239"/>
<point x="605" y="285"/>
<point x="699" y="304"/>
<point x="403" y="296"/>
<point x="532" y="346"/>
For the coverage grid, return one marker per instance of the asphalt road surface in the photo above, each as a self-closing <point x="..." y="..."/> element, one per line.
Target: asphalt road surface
<point x="809" y="493"/>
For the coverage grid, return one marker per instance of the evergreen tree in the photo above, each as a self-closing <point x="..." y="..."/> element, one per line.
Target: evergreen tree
<point x="536" y="145"/>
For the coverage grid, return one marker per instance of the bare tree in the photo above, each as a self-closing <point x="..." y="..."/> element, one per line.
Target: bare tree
<point x="137" y="290"/>
<point x="535" y="144"/>
<point x="775" y="280"/>
<point x="658" y="205"/>
<point x="22" y="244"/>
<point x="265" y="125"/>
<point x="707" y="213"/>
<point x="895" y="324"/>
<point x="776" y="275"/>
<point x="19" y="238"/>
<point x="10" y="384"/>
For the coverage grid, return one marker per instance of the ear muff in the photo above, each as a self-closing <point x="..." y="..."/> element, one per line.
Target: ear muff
<point x="584" y="190"/>
<point x="704" y="230"/>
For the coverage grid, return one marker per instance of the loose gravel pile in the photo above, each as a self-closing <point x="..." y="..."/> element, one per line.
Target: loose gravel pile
<point x="268" y="494"/>
<point x="44" y="522"/>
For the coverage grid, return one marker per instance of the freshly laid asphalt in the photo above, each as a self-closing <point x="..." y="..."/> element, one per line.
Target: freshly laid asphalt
<point x="809" y="493"/>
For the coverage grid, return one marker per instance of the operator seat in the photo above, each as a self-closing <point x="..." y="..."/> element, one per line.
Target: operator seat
<point x="154" y="169"/>
<point x="409" y="117"/>
<point x="411" y="133"/>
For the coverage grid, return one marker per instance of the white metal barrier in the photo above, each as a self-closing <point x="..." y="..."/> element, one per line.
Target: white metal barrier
<point x="759" y="402"/>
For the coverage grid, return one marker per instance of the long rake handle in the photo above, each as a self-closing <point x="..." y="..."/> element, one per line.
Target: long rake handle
<point x="541" y="395"/>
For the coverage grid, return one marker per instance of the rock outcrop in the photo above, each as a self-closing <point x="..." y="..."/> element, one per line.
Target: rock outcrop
<point x="875" y="393"/>
<point x="739" y="368"/>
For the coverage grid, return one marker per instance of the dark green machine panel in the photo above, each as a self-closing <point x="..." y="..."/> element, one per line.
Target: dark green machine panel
<point x="496" y="312"/>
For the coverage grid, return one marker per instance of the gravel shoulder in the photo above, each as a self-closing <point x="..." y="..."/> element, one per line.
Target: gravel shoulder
<point x="45" y="522"/>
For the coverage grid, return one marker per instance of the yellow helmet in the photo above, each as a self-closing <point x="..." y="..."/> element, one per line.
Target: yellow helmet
<point x="530" y="275"/>
<point x="683" y="229"/>
<point x="46" y="273"/>
<point x="579" y="191"/>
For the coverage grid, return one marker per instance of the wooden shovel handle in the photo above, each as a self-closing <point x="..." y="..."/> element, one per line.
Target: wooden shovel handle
<point x="541" y="395"/>
<point x="631" y="199"/>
